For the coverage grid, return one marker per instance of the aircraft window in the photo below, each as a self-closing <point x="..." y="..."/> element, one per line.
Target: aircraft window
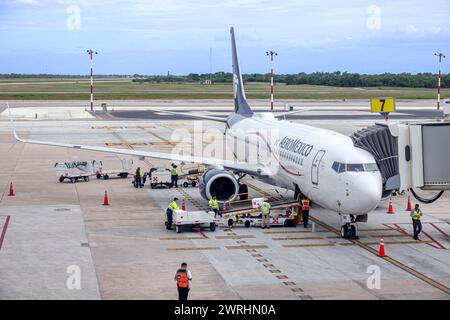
<point x="355" y="167"/>
<point x="370" y="167"/>
<point x="335" y="166"/>
<point x="338" y="167"/>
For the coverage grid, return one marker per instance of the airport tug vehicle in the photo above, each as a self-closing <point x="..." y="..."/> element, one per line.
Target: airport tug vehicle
<point x="160" y="177"/>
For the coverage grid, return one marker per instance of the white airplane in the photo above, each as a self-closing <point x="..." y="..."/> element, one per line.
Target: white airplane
<point x="319" y="164"/>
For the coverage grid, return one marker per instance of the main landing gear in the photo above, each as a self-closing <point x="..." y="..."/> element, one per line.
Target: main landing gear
<point x="349" y="226"/>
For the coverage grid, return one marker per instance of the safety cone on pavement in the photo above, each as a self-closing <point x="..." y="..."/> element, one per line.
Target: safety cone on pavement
<point x="390" y="208"/>
<point x="408" y="206"/>
<point x="105" y="199"/>
<point x="381" y="250"/>
<point x="11" y="190"/>
<point x="183" y="205"/>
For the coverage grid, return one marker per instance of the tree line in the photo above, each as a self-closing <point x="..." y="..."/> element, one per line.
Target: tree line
<point x="337" y="79"/>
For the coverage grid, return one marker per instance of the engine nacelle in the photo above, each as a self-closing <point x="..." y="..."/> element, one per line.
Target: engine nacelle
<point x="219" y="182"/>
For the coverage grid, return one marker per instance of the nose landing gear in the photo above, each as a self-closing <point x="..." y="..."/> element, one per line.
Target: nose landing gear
<point x="349" y="226"/>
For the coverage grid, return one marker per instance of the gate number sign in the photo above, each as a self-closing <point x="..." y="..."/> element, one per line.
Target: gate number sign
<point x="383" y="105"/>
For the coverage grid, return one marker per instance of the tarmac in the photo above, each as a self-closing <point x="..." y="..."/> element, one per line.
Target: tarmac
<point x="122" y="251"/>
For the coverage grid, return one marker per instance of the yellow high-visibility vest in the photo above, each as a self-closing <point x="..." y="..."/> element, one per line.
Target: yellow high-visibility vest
<point x="136" y="173"/>
<point x="173" y="206"/>
<point x="213" y="203"/>
<point x="265" y="208"/>
<point x="174" y="171"/>
<point x="416" y="214"/>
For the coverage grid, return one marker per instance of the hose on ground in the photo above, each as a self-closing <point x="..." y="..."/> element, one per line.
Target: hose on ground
<point x="423" y="200"/>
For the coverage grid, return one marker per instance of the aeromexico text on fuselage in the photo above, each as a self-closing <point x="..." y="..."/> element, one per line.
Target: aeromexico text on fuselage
<point x="296" y="146"/>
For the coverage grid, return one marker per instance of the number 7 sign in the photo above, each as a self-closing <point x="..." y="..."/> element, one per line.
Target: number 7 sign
<point x="383" y="105"/>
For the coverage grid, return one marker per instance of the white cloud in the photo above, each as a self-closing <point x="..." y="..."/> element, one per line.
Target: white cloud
<point x="32" y="2"/>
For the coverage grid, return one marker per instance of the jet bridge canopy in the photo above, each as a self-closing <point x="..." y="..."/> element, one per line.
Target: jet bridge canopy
<point x="379" y="141"/>
<point x="409" y="154"/>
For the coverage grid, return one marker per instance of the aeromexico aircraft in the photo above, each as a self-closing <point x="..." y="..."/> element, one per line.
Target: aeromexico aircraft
<point x="319" y="164"/>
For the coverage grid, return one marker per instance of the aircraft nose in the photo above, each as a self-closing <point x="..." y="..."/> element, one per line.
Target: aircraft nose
<point x="366" y="192"/>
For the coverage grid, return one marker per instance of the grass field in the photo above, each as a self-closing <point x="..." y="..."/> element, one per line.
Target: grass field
<point x="77" y="89"/>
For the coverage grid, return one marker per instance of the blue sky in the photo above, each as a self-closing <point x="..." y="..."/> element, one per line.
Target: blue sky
<point x="153" y="37"/>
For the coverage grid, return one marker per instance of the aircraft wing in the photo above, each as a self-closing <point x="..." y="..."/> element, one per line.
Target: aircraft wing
<point x="288" y="113"/>
<point x="200" y="116"/>
<point x="219" y="119"/>
<point x="252" y="169"/>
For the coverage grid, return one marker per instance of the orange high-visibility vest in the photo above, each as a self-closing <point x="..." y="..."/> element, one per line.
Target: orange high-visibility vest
<point x="305" y="204"/>
<point x="182" y="278"/>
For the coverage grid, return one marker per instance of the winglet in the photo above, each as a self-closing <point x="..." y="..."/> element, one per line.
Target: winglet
<point x="12" y="124"/>
<point x="240" y="102"/>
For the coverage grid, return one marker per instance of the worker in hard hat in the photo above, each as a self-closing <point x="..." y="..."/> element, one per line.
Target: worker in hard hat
<point x="416" y="214"/>
<point x="214" y="206"/>
<point x="138" y="178"/>
<point x="174" y="173"/>
<point x="265" y="212"/>
<point x="173" y="205"/>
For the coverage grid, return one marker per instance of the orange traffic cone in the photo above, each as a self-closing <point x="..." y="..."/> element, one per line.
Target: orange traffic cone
<point x="381" y="250"/>
<point x="183" y="205"/>
<point x="11" y="190"/>
<point x="105" y="199"/>
<point x="408" y="206"/>
<point x="390" y="208"/>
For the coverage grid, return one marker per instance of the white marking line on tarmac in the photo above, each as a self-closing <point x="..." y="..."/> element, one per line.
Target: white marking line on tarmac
<point x="3" y="231"/>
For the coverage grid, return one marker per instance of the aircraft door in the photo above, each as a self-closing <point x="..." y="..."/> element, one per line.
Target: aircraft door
<point x="315" y="167"/>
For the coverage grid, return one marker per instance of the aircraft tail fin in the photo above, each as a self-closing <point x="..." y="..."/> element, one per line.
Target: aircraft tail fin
<point x="240" y="101"/>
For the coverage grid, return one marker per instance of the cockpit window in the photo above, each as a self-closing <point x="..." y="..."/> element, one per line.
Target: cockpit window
<point x="370" y="167"/>
<point x="335" y="166"/>
<point x="354" y="167"/>
<point x="338" y="167"/>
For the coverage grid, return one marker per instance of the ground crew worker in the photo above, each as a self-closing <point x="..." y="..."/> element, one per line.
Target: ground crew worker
<point x="290" y="221"/>
<point x="305" y="212"/>
<point x="173" y="205"/>
<point x="138" y="177"/>
<point x="416" y="214"/>
<point x="182" y="277"/>
<point x="214" y="206"/>
<point x="174" y="175"/>
<point x="265" y="211"/>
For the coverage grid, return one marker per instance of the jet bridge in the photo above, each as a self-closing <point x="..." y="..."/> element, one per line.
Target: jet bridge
<point x="410" y="154"/>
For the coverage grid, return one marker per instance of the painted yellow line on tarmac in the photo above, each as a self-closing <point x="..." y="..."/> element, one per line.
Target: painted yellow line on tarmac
<point x="181" y="238"/>
<point x="293" y="231"/>
<point x="235" y="237"/>
<point x="297" y="238"/>
<point x="308" y="245"/>
<point x="193" y="248"/>
<point x="247" y="247"/>
<point x="387" y="236"/>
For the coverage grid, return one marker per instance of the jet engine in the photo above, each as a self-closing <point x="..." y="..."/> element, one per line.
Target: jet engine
<point x="218" y="182"/>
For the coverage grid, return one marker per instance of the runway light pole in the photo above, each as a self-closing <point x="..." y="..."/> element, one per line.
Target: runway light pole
<point x="91" y="53"/>
<point x="440" y="56"/>
<point x="271" y="54"/>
